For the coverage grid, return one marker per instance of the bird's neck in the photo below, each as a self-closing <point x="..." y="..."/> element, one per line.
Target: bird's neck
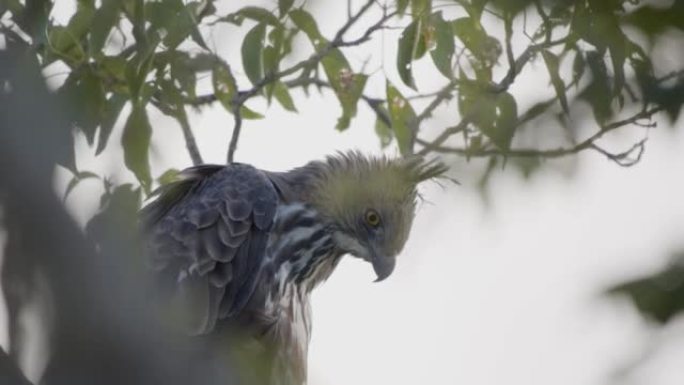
<point x="302" y="249"/>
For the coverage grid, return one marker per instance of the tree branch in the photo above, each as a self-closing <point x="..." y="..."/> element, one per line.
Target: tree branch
<point x="621" y="158"/>
<point x="190" y="142"/>
<point x="236" y="133"/>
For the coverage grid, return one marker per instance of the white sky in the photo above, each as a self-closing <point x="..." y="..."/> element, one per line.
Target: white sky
<point x="497" y="289"/>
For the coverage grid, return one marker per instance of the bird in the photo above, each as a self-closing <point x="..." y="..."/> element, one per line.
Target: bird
<point x="243" y="248"/>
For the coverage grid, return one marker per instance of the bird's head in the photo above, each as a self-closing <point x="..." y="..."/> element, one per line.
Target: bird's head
<point x="370" y="204"/>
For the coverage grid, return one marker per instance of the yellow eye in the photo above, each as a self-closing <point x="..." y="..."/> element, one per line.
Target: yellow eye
<point x="372" y="218"/>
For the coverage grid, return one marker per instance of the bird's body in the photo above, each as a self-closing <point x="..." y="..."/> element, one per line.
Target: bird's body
<point x="243" y="248"/>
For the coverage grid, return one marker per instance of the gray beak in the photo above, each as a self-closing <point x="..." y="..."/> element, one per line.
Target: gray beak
<point x="383" y="266"/>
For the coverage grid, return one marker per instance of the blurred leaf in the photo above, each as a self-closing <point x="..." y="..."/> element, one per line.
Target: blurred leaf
<point x="411" y="47"/>
<point x="224" y="84"/>
<point x="170" y="175"/>
<point x="304" y="21"/>
<point x="112" y="110"/>
<point x="420" y="8"/>
<point x="578" y="67"/>
<point x="598" y="92"/>
<point x="552" y="64"/>
<point x="654" y="20"/>
<point x="282" y="95"/>
<point x="506" y="121"/>
<point x="495" y="114"/>
<point x="383" y="131"/>
<point x="284" y="6"/>
<point x="444" y="48"/>
<point x="86" y="94"/>
<point x="403" y="118"/>
<point x="347" y="85"/>
<point x="118" y="215"/>
<point x="401" y="6"/>
<point x="139" y="66"/>
<point x="257" y="14"/>
<point x="660" y="296"/>
<point x="225" y="90"/>
<point x="485" y="48"/>
<point x="136" y="142"/>
<point x="173" y="19"/>
<point x="106" y="16"/>
<point x="65" y="42"/>
<point x="249" y="114"/>
<point x="252" y="53"/>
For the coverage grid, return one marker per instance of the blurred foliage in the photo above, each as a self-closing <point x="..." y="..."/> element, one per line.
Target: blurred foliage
<point x="659" y="297"/>
<point x="154" y="54"/>
<point x="126" y="57"/>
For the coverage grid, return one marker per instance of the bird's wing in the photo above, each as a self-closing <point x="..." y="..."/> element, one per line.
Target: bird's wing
<point x="207" y="234"/>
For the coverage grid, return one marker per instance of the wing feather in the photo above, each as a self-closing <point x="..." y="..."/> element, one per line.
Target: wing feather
<point x="209" y="232"/>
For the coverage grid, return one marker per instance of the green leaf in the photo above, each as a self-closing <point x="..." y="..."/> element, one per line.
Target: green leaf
<point x="282" y="95"/>
<point x="113" y="109"/>
<point x="257" y="14"/>
<point x="496" y="115"/>
<point x="598" y="93"/>
<point x="403" y="118"/>
<point x="578" y="67"/>
<point x="169" y="176"/>
<point x="138" y="68"/>
<point x="383" y="131"/>
<point x="284" y="6"/>
<point x="444" y="48"/>
<point x="420" y="8"/>
<point x="249" y="114"/>
<point x="104" y="20"/>
<point x="347" y="85"/>
<point x="252" y="53"/>
<point x="401" y="6"/>
<point x="506" y="121"/>
<point x="411" y="47"/>
<point x="224" y="84"/>
<point x="136" y="143"/>
<point x="552" y="63"/>
<point x="86" y="94"/>
<point x="304" y="21"/>
<point x="485" y="48"/>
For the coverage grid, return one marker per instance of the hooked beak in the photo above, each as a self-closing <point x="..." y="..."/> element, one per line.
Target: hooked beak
<point x="382" y="265"/>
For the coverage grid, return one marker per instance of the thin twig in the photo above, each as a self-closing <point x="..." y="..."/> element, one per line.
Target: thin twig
<point x="190" y="142"/>
<point x="588" y="143"/>
<point x="442" y="95"/>
<point x="237" y="126"/>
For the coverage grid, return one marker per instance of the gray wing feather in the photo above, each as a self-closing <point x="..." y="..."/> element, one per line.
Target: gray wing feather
<point x="207" y="233"/>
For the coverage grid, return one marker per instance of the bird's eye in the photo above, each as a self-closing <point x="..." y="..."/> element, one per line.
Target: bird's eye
<point x="372" y="218"/>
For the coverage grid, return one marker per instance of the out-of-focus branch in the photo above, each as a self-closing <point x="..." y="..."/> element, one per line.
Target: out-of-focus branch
<point x="314" y="59"/>
<point x="515" y="67"/>
<point x="338" y="41"/>
<point x="621" y="158"/>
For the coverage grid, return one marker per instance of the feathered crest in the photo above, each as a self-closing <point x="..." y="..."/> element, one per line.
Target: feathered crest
<point x="420" y="170"/>
<point x="415" y="169"/>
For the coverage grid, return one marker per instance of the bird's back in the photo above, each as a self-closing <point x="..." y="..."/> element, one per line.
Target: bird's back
<point x="241" y="256"/>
